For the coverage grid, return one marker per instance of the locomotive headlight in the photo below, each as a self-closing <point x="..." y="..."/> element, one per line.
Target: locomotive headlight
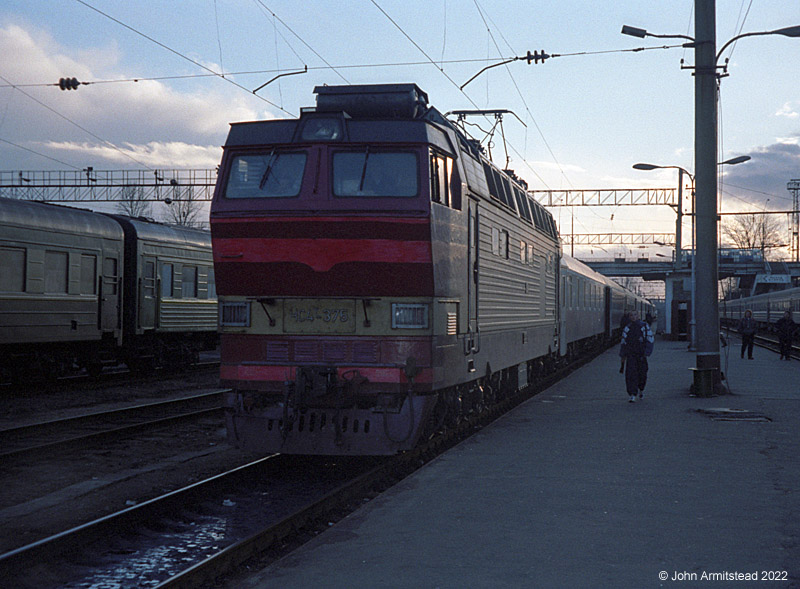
<point x="322" y="129"/>
<point x="409" y="316"/>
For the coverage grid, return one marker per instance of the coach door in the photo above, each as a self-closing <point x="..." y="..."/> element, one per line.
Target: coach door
<point x="147" y="294"/>
<point x="110" y="316"/>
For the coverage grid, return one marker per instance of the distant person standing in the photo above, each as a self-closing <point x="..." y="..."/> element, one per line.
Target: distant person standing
<point x="747" y="329"/>
<point x="786" y="330"/>
<point x="636" y="346"/>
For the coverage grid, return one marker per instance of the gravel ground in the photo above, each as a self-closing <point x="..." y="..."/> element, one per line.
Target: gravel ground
<point x="51" y="494"/>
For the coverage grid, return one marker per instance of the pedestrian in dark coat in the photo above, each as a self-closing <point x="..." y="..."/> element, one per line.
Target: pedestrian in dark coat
<point x="637" y="345"/>
<point x="623" y="321"/>
<point x="747" y="329"/>
<point x="786" y="330"/>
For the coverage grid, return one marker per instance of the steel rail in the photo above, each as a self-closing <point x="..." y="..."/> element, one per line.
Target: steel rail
<point x="393" y="469"/>
<point x="10" y="436"/>
<point x="315" y="515"/>
<point x="73" y="539"/>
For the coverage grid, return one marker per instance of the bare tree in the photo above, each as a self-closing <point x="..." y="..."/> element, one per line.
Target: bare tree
<point x="183" y="207"/>
<point x="133" y="203"/>
<point x="754" y="231"/>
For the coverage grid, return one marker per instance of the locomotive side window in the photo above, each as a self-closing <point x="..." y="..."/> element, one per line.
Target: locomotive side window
<point x="88" y="272"/>
<point x="12" y="269"/>
<point x="55" y="272"/>
<point x="269" y="175"/>
<point x="441" y="170"/>
<point x="504" y="244"/>
<point x="370" y="173"/>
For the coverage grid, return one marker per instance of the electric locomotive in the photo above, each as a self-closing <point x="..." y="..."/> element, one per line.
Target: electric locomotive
<point x="377" y="275"/>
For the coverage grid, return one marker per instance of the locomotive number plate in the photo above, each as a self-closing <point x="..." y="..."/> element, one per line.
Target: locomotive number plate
<point x="316" y="316"/>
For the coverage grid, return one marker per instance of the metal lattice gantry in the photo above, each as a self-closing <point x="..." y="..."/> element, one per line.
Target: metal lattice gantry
<point x="794" y="221"/>
<point x="605" y="197"/>
<point x="618" y="239"/>
<point x="90" y="185"/>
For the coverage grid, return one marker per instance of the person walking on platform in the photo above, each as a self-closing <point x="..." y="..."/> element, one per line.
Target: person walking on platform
<point x="786" y="330"/>
<point x="747" y="329"/>
<point x="637" y="345"/>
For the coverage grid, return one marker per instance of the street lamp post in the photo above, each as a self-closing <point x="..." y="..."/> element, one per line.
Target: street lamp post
<point x="681" y="171"/>
<point x="707" y="375"/>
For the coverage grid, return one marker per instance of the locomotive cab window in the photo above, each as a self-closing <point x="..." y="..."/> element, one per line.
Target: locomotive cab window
<point x="268" y="175"/>
<point x="375" y="173"/>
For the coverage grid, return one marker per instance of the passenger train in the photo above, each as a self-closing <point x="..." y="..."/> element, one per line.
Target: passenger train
<point x="81" y="289"/>
<point x="379" y="277"/>
<point x="767" y="308"/>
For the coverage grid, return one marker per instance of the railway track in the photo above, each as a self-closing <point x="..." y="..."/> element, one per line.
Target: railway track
<point x="190" y="537"/>
<point x="29" y="440"/>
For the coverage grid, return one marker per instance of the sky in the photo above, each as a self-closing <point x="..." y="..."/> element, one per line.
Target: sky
<point x="585" y="116"/>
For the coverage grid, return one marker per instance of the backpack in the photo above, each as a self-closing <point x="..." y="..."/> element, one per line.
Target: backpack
<point x="636" y="343"/>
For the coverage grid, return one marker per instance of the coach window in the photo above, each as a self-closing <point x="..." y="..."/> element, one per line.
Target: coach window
<point x="189" y="282"/>
<point x="441" y="170"/>
<point x="88" y="273"/>
<point x="12" y="269"/>
<point x="55" y="272"/>
<point x="110" y="276"/>
<point x="166" y="281"/>
<point x="149" y="282"/>
<point x="212" y="285"/>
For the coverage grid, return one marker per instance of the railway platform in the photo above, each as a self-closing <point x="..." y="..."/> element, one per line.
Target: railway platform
<point x="580" y="488"/>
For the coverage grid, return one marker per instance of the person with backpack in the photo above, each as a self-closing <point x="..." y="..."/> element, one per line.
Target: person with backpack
<point x="637" y="344"/>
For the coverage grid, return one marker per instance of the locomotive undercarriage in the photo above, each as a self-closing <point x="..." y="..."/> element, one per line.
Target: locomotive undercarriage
<point x="322" y="411"/>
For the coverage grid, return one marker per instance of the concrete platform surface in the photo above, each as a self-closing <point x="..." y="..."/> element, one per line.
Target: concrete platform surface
<point x="579" y="488"/>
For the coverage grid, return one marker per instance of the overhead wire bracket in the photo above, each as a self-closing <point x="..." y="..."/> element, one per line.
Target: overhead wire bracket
<point x="305" y="70"/>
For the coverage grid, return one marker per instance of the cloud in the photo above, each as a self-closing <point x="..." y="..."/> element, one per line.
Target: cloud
<point x="762" y="181"/>
<point x="148" y="120"/>
<point x="154" y="154"/>
<point x="788" y="110"/>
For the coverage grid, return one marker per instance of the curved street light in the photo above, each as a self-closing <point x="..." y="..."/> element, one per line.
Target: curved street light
<point x="679" y="223"/>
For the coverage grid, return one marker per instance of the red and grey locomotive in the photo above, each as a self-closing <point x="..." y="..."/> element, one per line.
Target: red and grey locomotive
<point x="377" y="274"/>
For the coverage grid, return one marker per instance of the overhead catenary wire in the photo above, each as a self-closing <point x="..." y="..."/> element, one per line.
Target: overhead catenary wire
<point x="179" y="54"/>
<point x="247" y="73"/>
<point x="33" y="151"/>
<point x="84" y="129"/>
<point x="302" y="40"/>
